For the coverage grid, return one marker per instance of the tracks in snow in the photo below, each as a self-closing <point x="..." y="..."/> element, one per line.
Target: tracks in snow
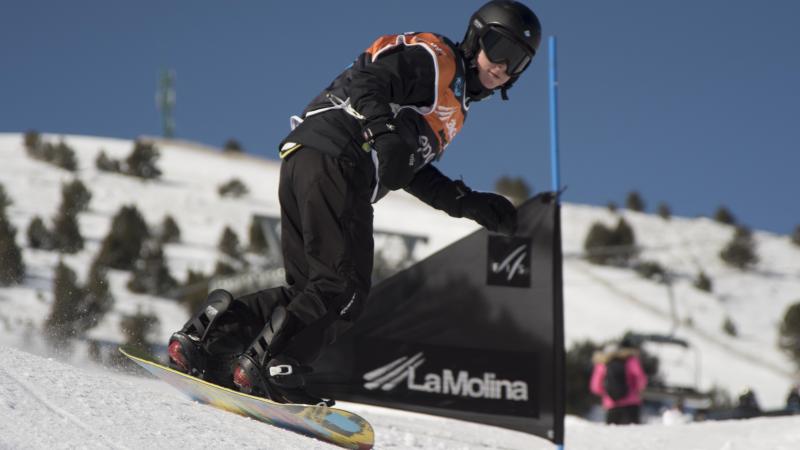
<point x="32" y="392"/>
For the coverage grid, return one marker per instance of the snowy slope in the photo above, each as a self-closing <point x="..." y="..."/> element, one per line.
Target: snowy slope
<point x="187" y="191"/>
<point x="100" y="409"/>
<point x="600" y="302"/>
<point x="45" y="404"/>
<point x="603" y="302"/>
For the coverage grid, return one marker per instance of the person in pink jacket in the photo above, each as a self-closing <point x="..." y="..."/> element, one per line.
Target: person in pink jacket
<point x="618" y="378"/>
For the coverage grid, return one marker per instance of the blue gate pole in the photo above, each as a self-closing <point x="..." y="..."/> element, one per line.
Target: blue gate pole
<point x="555" y="166"/>
<point x="554" y="157"/>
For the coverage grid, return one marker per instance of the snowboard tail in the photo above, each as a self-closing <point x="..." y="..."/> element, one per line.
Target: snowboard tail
<point x="327" y="424"/>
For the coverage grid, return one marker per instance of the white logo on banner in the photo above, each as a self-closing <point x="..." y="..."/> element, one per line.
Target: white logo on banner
<point x="459" y="384"/>
<point x="512" y="265"/>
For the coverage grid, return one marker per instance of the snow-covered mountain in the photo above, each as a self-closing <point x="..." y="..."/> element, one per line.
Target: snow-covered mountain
<point x="600" y="302"/>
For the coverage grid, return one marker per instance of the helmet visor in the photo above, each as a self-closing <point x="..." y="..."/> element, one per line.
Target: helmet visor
<point x="500" y="48"/>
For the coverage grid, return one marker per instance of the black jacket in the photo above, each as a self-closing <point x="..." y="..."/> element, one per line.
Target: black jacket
<point x="404" y="75"/>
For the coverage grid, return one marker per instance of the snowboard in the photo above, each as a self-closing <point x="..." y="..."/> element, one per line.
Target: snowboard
<point x="332" y="425"/>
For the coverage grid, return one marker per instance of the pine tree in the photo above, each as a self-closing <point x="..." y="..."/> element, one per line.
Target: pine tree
<point x="724" y="216"/>
<point x="623" y="235"/>
<point x="61" y="154"/>
<point x="170" y="233"/>
<point x="664" y="211"/>
<point x="106" y="164"/>
<point x="651" y="270"/>
<point x="142" y="161"/>
<point x="796" y="236"/>
<point x="66" y="232"/>
<point x="75" y="197"/>
<point x="34" y="146"/>
<point x="97" y="299"/>
<point x="12" y="267"/>
<point x="258" y="242"/>
<point x="789" y="333"/>
<point x="64" y="313"/>
<point x="740" y="251"/>
<point x="32" y="140"/>
<point x="138" y="330"/>
<point x="596" y="243"/>
<point x="514" y="188"/>
<point x="122" y="245"/>
<point x="233" y="188"/>
<point x="232" y="254"/>
<point x="224" y="269"/>
<point x="577" y="375"/>
<point x="39" y="236"/>
<point x="229" y="243"/>
<point x="232" y="146"/>
<point x="151" y="274"/>
<point x="64" y="156"/>
<point x="729" y="327"/>
<point x="610" y="246"/>
<point x="703" y="282"/>
<point x="77" y="309"/>
<point x="624" y="239"/>
<point x="5" y="200"/>
<point x="634" y="202"/>
<point x="46" y="152"/>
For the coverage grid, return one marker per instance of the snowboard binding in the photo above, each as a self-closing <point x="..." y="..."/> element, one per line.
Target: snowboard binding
<point x="185" y="349"/>
<point x="264" y="370"/>
<point x="281" y="380"/>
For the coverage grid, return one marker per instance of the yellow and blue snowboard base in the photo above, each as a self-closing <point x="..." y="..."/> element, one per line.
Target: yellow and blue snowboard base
<point x="327" y="424"/>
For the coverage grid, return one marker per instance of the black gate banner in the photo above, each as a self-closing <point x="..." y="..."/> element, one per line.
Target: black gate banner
<point x="473" y="332"/>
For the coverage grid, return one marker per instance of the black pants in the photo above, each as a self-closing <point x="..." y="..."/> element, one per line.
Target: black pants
<point x="326" y="239"/>
<point x="623" y="415"/>
<point x="326" y="230"/>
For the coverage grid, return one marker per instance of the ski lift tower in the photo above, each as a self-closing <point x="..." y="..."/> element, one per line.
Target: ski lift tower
<point x="165" y="101"/>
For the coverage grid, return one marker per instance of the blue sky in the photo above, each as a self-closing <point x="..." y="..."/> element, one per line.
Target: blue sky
<point x="696" y="104"/>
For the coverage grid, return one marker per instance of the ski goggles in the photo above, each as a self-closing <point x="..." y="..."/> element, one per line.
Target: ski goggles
<point x="501" y="48"/>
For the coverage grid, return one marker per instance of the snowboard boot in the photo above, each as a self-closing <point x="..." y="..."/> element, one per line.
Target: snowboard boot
<point x="263" y="370"/>
<point x="185" y="350"/>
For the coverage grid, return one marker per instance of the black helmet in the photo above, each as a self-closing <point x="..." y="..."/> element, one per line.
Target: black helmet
<point x="508" y="32"/>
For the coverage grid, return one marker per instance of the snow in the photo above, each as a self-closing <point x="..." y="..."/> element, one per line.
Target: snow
<point x="93" y="408"/>
<point x="47" y="404"/>
<point x="603" y="302"/>
<point x="90" y="407"/>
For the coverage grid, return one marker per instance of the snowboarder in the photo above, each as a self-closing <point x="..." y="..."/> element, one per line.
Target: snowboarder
<point x="618" y="378"/>
<point x="377" y="127"/>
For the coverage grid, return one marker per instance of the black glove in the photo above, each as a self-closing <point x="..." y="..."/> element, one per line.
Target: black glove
<point x="395" y="163"/>
<point x="494" y="212"/>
